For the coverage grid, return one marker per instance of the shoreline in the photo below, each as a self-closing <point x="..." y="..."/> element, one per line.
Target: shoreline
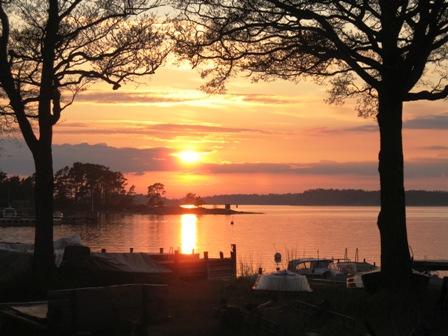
<point x="176" y="210"/>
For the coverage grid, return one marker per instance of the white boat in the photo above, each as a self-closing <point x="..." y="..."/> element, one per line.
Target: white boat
<point x="58" y="216"/>
<point x="9" y="212"/>
<point x="59" y="247"/>
<point x="10" y="217"/>
<point x="282" y="281"/>
<point x="315" y="268"/>
<point x="349" y="267"/>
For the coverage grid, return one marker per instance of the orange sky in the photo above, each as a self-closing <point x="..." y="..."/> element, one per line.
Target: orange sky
<point x="256" y="138"/>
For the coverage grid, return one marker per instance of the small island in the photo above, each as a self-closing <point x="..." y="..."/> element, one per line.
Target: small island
<point x="196" y="210"/>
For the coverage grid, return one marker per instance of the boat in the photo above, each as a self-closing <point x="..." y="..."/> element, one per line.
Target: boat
<point x="28" y="248"/>
<point x="58" y="216"/>
<point x="9" y="212"/>
<point x="349" y="267"/>
<point x="10" y="217"/>
<point x="315" y="268"/>
<point x="282" y="281"/>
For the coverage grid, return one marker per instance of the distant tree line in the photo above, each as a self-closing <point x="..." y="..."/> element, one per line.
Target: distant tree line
<point x="88" y="187"/>
<point x="92" y="187"/>
<point x="15" y="188"/>
<point x="329" y="197"/>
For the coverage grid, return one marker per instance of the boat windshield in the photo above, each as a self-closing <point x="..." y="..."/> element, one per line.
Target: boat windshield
<point x="303" y="265"/>
<point x="321" y="264"/>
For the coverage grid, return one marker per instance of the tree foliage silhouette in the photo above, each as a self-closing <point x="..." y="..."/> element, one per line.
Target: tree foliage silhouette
<point x="89" y="186"/>
<point x="156" y="194"/>
<point x="381" y="52"/>
<point x="51" y="50"/>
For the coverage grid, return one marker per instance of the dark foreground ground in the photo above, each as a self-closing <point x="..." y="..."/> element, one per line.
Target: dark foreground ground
<point x="201" y="307"/>
<point x="222" y="308"/>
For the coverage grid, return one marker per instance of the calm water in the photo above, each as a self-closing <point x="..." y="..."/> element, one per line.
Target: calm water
<point x="298" y="231"/>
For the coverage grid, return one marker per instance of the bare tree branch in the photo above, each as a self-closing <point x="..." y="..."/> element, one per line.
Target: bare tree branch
<point x="427" y="95"/>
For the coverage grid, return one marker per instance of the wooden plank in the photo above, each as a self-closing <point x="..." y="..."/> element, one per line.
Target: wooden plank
<point x="38" y="311"/>
<point x="13" y="315"/>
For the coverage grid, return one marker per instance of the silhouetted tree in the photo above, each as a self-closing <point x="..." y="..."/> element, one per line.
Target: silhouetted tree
<point x="3" y="176"/>
<point x="49" y="51"/>
<point x="383" y="52"/>
<point x="89" y="186"/>
<point x="156" y="195"/>
<point x="192" y="198"/>
<point x="15" y="188"/>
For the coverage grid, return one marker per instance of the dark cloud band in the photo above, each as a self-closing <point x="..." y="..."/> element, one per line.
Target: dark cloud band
<point x="15" y="158"/>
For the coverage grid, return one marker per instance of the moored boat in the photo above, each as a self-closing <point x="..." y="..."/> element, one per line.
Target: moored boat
<point x="315" y="268"/>
<point x="10" y="217"/>
<point x="282" y="281"/>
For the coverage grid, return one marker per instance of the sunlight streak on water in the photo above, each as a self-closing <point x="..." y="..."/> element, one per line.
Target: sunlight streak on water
<point x="188" y="234"/>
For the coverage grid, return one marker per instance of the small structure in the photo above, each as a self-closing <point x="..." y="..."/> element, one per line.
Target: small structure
<point x="109" y="310"/>
<point x="282" y="281"/>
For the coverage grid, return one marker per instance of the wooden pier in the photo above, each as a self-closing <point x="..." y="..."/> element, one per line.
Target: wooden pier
<point x="192" y="266"/>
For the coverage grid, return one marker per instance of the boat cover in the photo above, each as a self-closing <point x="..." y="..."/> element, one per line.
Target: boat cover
<point x="125" y="262"/>
<point x="59" y="247"/>
<point x="284" y="281"/>
<point x="102" y="269"/>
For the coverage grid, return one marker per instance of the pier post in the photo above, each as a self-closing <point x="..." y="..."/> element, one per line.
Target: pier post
<point x="221" y="255"/>
<point x="103" y="250"/>
<point x="131" y="250"/>
<point x="176" y="262"/>
<point x="233" y="257"/>
<point x="161" y="250"/>
<point x="207" y="273"/>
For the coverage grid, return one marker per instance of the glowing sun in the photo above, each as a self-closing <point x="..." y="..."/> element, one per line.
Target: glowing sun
<point x="189" y="156"/>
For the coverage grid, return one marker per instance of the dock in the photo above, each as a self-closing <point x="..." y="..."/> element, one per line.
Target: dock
<point x="193" y="266"/>
<point x="111" y="268"/>
<point x="430" y="265"/>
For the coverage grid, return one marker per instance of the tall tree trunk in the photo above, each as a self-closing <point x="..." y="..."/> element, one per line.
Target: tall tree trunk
<point x="43" y="264"/>
<point x="395" y="258"/>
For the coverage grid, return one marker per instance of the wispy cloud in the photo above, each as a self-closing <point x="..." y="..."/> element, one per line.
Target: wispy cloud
<point x="180" y="97"/>
<point x="124" y="97"/>
<point x="435" y="122"/>
<point x="318" y="168"/>
<point x="155" y="129"/>
<point x="435" y="148"/>
<point x="430" y="122"/>
<point x="355" y="129"/>
<point x="418" y="168"/>
<point x="269" y="99"/>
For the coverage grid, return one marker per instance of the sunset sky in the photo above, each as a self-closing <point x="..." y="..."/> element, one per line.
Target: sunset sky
<point x="257" y="138"/>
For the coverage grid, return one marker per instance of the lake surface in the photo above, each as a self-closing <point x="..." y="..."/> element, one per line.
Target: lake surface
<point x="295" y="231"/>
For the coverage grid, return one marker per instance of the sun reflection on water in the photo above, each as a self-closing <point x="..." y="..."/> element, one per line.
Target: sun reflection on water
<point x="188" y="233"/>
